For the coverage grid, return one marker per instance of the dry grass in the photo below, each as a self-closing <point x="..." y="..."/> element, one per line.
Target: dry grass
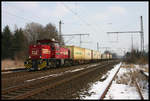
<point x="8" y="64"/>
<point x="125" y="79"/>
<point x="129" y="77"/>
<point x="142" y="61"/>
<point x="124" y="65"/>
<point x="145" y="68"/>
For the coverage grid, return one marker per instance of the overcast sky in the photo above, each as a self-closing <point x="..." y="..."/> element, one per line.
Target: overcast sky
<point x="95" y="18"/>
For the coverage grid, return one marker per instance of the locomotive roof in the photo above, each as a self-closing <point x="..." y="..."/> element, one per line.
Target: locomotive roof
<point x="47" y="41"/>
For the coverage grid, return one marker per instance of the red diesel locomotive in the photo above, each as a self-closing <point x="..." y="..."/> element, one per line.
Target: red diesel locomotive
<point x="46" y="53"/>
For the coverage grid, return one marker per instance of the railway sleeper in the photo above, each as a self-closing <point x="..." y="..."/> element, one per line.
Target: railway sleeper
<point x="6" y="97"/>
<point x="15" y="93"/>
<point x="12" y="94"/>
<point x="26" y="89"/>
<point x="22" y="91"/>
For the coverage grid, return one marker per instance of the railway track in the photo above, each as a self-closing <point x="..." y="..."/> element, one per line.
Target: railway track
<point x="13" y="70"/>
<point x="142" y="72"/>
<point x="25" y="72"/>
<point x="139" y="90"/>
<point x="28" y="89"/>
<point x="19" y="77"/>
<point x="134" y="79"/>
<point x="102" y="96"/>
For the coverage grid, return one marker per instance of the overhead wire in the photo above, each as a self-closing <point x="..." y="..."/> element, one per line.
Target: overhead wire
<point x="18" y="16"/>
<point x="94" y="25"/>
<point x="21" y="10"/>
<point x="84" y="21"/>
<point x="78" y="16"/>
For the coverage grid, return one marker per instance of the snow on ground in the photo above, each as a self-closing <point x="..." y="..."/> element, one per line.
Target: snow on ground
<point x="121" y="91"/>
<point x="146" y="73"/>
<point x="98" y="88"/>
<point x="142" y="67"/>
<point x="117" y="91"/>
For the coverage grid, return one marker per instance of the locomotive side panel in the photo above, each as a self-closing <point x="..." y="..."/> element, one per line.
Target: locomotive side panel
<point x="45" y="52"/>
<point x="64" y="53"/>
<point x="39" y="51"/>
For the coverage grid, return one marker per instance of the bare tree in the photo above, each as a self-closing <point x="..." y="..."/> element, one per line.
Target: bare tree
<point x="33" y="31"/>
<point x="50" y="32"/>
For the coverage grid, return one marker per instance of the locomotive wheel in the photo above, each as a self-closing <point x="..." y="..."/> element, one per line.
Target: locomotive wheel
<point x="57" y="64"/>
<point x="48" y="66"/>
<point x="28" y="69"/>
<point x="54" y="64"/>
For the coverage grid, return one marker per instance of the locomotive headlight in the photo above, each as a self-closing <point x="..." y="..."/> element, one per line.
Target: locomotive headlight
<point x="29" y="57"/>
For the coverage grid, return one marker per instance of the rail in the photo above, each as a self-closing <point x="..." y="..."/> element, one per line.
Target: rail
<point x="142" y="72"/>
<point x="13" y="70"/>
<point x="26" y="90"/>
<point x="134" y="80"/>
<point x="139" y="91"/>
<point x="102" y="96"/>
<point x="137" y="86"/>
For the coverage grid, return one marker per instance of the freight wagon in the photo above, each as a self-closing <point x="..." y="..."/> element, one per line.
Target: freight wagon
<point x="95" y="55"/>
<point x="103" y="57"/>
<point x="107" y="56"/>
<point x="87" y="55"/>
<point x="110" y="57"/>
<point x="77" y="54"/>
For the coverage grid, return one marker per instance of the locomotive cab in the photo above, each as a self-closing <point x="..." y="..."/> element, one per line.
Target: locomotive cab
<point x="45" y="53"/>
<point x="39" y="53"/>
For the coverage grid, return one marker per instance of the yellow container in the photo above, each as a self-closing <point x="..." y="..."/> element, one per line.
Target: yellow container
<point x="98" y="55"/>
<point x="87" y="54"/>
<point x="110" y="56"/>
<point x="103" y="56"/>
<point x="94" y="54"/>
<point x="107" y="56"/>
<point x="77" y="53"/>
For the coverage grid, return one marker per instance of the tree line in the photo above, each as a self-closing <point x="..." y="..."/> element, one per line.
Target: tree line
<point x="15" y="43"/>
<point x="137" y="57"/>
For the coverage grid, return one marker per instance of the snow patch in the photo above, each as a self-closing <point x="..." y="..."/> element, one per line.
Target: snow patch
<point x="98" y="88"/>
<point x="147" y="74"/>
<point x="117" y="91"/>
<point x="121" y="91"/>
